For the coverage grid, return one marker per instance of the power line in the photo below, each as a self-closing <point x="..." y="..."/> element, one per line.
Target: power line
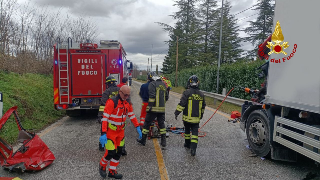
<point x="245" y="9"/>
<point x="246" y="17"/>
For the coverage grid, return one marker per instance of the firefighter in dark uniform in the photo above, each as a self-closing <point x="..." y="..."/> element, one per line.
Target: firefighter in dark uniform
<point x="158" y="96"/>
<point x="111" y="91"/>
<point x="192" y="104"/>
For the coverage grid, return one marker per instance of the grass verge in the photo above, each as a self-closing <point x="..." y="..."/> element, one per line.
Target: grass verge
<point x="33" y="94"/>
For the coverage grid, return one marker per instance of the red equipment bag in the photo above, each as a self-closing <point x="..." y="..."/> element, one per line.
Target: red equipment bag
<point x="235" y="114"/>
<point x="33" y="155"/>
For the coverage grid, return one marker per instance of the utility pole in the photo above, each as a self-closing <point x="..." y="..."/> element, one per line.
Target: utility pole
<point x="148" y="66"/>
<point x="157" y="68"/>
<point x="151" y="56"/>
<point x="176" y="83"/>
<point x="219" y="51"/>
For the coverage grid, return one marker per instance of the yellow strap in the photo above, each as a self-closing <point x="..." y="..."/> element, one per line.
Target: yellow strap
<point x="189" y="108"/>
<point x="145" y="131"/>
<point x="191" y="119"/>
<point x="194" y="140"/>
<point x="158" y="109"/>
<point x="163" y="131"/>
<point x="157" y="97"/>
<point x="111" y="126"/>
<point x="180" y="108"/>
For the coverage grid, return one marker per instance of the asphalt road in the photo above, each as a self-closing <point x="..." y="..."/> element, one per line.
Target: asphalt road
<point x="221" y="154"/>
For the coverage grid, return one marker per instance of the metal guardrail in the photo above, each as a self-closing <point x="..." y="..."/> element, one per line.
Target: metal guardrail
<point x="220" y="97"/>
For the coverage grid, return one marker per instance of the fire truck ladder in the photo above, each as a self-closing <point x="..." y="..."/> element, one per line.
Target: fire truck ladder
<point x="64" y="90"/>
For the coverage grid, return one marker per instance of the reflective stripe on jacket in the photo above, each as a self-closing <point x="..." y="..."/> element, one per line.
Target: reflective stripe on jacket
<point x="115" y="117"/>
<point x="192" y="104"/>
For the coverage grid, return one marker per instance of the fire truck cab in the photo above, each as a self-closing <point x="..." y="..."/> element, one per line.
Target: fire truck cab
<point x="80" y="71"/>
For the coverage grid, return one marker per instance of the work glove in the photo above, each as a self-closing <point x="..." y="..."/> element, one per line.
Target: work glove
<point x="103" y="139"/>
<point x="176" y="116"/>
<point x="139" y="132"/>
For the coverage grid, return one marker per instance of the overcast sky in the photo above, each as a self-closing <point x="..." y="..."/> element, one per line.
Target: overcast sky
<point x="132" y="22"/>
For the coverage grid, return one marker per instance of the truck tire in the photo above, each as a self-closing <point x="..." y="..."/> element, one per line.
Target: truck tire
<point x="73" y="113"/>
<point x="258" y="133"/>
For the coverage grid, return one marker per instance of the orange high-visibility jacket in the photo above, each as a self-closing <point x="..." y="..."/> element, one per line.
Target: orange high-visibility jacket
<point x="115" y="113"/>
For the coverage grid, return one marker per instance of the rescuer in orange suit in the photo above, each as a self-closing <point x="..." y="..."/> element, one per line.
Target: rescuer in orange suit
<point x="111" y="91"/>
<point x="113" y="125"/>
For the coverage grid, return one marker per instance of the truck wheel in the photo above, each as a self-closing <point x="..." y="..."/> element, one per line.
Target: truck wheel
<point x="257" y="129"/>
<point x="73" y="113"/>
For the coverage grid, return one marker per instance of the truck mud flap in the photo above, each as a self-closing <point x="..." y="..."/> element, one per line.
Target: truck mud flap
<point x="33" y="154"/>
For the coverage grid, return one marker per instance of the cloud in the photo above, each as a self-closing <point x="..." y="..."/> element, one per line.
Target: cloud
<point x="132" y="22"/>
<point x="93" y="7"/>
<point x="141" y="39"/>
<point x="142" y="60"/>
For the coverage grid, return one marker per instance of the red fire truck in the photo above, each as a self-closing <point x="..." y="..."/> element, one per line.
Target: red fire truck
<point x="80" y="70"/>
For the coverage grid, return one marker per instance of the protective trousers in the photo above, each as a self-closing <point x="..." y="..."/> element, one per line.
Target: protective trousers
<point x="150" y="118"/>
<point x="114" y="147"/>
<point x="143" y="113"/>
<point x="191" y="141"/>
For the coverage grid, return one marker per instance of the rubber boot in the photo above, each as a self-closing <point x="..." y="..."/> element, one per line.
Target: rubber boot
<point x="193" y="147"/>
<point x="102" y="171"/>
<point x="187" y="143"/>
<point x="100" y="147"/>
<point x="163" y="140"/>
<point x="114" y="174"/>
<point x="143" y="139"/>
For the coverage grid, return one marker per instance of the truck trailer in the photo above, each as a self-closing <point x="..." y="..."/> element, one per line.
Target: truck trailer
<point x="80" y="71"/>
<point x="287" y="122"/>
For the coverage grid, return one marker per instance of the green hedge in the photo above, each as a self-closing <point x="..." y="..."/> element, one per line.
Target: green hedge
<point x="142" y="77"/>
<point x="230" y="75"/>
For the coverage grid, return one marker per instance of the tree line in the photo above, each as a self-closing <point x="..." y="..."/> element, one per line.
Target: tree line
<point x="197" y="30"/>
<point x="28" y="33"/>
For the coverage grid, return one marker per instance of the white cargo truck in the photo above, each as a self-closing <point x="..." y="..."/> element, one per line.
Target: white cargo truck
<point x="288" y="121"/>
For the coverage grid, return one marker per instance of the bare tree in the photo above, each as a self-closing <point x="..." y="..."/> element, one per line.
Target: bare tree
<point x="27" y="35"/>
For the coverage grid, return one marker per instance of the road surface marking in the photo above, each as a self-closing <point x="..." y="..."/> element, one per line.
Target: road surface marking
<point x="162" y="168"/>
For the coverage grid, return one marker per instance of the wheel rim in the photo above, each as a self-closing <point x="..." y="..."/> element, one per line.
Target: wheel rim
<point x="257" y="133"/>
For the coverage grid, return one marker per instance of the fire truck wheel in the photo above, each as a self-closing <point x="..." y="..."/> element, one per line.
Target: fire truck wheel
<point x="73" y="113"/>
<point x="258" y="131"/>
